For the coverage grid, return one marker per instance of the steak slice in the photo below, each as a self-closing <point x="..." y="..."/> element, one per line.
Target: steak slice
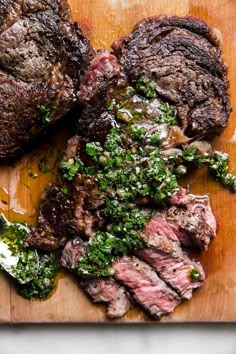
<point x="105" y="290"/>
<point x="145" y="286"/>
<point x="108" y="291"/>
<point x="183" y="57"/>
<point x="192" y="219"/>
<point x="43" y="55"/>
<point x="167" y="258"/>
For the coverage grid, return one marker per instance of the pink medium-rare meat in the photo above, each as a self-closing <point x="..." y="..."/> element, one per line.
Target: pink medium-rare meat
<point x="145" y="286"/>
<point x="105" y="290"/>
<point x="192" y="215"/>
<point x="166" y="256"/>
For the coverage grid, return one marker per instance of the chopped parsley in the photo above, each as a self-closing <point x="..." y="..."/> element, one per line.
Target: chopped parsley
<point x="43" y="166"/>
<point x="46" y="113"/>
<point x="216" y="161"/>
<point x="103" y="250"/>
<point x="146" y="87"/>
<point x="218" y="165"/>
<point x="168" y="116"/>
<point x="70" y="168"/>
<point x="43" y="281"/>
<point x="64" y="190"/>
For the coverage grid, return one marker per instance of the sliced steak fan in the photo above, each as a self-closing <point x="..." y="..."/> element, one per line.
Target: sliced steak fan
<point x="145" y="286"/>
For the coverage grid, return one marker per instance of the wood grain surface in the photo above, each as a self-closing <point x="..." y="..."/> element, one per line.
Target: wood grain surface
<point x="103" y="21"/>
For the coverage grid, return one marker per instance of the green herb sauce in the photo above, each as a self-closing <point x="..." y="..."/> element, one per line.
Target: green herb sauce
<point x="34" y="271"/>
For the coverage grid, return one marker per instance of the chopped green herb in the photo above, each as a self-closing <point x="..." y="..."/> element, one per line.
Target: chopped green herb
<point x="146" y="87"/>
<point x="44" y="280"/>
<point x="64" y="191"/>
<point x="93" y="149"/>
<point x="46" y="113"/>
<point x="102" y="250"/>
<point x="43" y="166"/>
<point x="33" y="270"/>
<point x="111" y="105"/>
<point x="137" y="132"/>
<point x="168" y="116"/>
<point x="70" y="168"/>
<point x="218" y="165"/>
<point x="155" y="139"/>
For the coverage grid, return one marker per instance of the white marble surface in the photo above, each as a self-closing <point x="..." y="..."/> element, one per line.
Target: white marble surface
<point x="136" y="339"/>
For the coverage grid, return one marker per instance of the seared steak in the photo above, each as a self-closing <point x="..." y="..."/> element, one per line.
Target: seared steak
<point x="105" y="290"/>
<point x="145" y="286"/>
<point x="183" y="57"/>
<point x="58" y="211"/>
<point x="108" y="291"/>
<point x="192" y="219"/>
<point x="43" y="55"/>
<point x="165" y="255"/>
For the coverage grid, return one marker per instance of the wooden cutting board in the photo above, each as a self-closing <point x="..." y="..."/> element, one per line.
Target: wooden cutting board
<point x="103" y="21"/>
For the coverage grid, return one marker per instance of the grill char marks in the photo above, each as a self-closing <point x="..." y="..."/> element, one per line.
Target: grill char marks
<point x="43" y="55"/>
<point x="183" y="58"/>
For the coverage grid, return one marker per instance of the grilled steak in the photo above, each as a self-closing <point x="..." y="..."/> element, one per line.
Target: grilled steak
<point x="146" y="287"/>
<point x="43" y="55"/>
<point x="192" y="219"/>
<point x="183" y="57"/>
<point x="105" y="290"/>
<point x="167" y="258"/>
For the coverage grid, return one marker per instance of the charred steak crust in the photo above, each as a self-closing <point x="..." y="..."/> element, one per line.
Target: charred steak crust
<point x="183" y="57"/>
<point x="43" y="55"/>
